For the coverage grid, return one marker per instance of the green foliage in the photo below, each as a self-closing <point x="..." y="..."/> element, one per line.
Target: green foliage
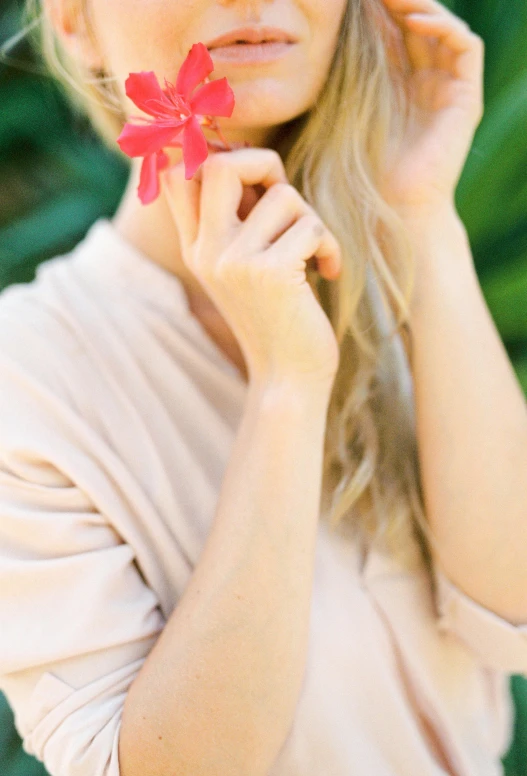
<point x="515" y="761"/>
<point x="13" y="759"/>
<point x="57" y="178"/>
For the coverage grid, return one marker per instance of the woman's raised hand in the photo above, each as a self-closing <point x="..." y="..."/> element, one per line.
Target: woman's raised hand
<point x="254" y="270"/>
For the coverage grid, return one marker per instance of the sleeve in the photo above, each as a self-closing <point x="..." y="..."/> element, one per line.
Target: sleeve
<point x="496" y="642"/>
<point x="77" y="622"/>
<point x="77" y="619"/>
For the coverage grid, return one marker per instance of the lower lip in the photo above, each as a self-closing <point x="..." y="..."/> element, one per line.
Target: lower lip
<point x="249" y="53"/>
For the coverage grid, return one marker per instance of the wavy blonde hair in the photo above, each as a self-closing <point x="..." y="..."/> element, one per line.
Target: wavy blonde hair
<point x="335" y="155"/>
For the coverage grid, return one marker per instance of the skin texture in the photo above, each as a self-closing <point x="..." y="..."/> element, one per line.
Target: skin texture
<point x="134" y="35"/>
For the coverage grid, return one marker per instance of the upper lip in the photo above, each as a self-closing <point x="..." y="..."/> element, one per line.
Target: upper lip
<point x="252" y="35"/>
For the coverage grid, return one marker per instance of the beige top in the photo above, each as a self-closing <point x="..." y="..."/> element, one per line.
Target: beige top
<point x="118" y="417"/>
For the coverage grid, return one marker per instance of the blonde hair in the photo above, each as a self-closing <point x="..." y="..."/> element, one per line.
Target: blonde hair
<point x="334" y="155"/>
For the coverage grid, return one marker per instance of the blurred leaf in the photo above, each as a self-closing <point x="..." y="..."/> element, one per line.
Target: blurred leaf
<point x="492" y="192"/>
<point x="503" y="27"/>
<point x="515" y="761"/>
<point x="505" y="292"/>
<point x="13" y="759"/>
<point x="47" y="230"/>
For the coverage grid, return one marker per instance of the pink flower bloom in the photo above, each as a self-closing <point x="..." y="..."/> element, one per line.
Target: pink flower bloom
<point x="177" y="118"/>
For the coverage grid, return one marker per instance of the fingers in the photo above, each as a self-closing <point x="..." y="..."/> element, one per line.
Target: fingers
<point x="306" y="238"/>
<point x="456" y="35"/>
<point x="275" y="213"/>
<point x="417" y="6"/>
<point x="280" y="206"/>
<point x="223" y="177"/>
<point x="439" y="31"/>
<point x="212" y="196"/>
<point x="207" y="205"/>
<point x="420" y="49"/>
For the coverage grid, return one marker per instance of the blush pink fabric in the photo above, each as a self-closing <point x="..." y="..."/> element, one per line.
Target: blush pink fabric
<point x="118" y="415"/>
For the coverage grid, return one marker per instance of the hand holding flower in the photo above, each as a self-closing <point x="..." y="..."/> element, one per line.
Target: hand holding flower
<point x="178" y="117"/>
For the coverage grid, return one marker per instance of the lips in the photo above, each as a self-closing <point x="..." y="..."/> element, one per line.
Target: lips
<point x="252" y="35"/>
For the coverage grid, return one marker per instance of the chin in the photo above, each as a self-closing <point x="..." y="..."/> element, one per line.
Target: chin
<point x="265" y="103"/>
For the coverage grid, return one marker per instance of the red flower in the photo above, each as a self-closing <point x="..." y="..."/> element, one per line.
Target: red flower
<point x="177" y="118"/>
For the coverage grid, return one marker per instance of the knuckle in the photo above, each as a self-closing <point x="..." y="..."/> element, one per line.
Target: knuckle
<point x="229" y="257"/>
<point x="314" y="223"/>
<point x="274" y="153"/>
<point x="221" y="266"/>
<point x="202" y="264"/>
<point x="285" y="191"/>
<point x="215" y="161"/>
<point x="279" y="189"/>
<point x="226" y="268"/>
<point x="202" y="269"/>
<point x="275" y="192"/>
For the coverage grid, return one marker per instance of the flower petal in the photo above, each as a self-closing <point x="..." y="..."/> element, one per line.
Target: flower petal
<point x="194" y="69"/>
<point x="195" y="149"/>
<point x="215" y="98"/>
<point x="148" y="188"/>
<point x="140" y="140"/>
<point x="163" y="160"/>
<point x="144" y="90"/>
<point x="176" y="142"/>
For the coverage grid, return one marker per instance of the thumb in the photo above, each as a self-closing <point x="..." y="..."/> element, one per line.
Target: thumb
<point x="183" y="199"/>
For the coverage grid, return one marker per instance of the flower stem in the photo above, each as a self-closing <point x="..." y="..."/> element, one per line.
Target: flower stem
<point x="215" y="128"/>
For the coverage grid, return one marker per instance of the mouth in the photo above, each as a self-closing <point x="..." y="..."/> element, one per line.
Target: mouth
<point x="254" y="35"/>
<point x="248" y="53"/>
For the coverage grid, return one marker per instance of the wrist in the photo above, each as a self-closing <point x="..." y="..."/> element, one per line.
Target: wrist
<point x="292" y="392"/>
<point x="426" y="220"/>
<point x="443" y="262"/>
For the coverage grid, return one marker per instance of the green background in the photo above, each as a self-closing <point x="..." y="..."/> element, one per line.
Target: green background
<point x="57" y="178"/>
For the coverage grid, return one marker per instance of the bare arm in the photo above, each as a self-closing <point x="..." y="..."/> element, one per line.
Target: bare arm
<point x="218" y="692"/>
<point x="471" y="423"/>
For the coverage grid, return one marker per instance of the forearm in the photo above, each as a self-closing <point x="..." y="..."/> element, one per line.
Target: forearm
<point x="218" y="691"/>
<point x="471" y="420"/>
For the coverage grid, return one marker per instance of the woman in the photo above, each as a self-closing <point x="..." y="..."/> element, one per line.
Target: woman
<point x="214" y="557"/>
